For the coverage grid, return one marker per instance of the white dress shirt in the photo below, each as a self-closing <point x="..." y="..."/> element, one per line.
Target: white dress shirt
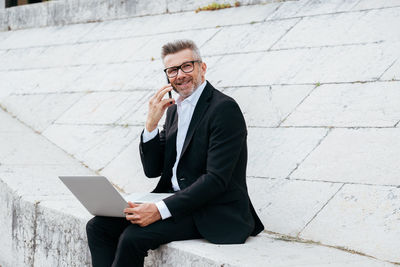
<point x="185" y="109"/>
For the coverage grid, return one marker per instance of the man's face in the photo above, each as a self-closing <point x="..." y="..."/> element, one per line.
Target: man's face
<point x="185" y="83"/>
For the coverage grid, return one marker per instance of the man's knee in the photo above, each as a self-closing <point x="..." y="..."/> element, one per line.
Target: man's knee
<point x="91" y="225"/>
<point x="135" y="238"/>
<point x="95" y="226"/>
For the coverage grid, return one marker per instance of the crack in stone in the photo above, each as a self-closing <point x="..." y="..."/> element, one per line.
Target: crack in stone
<point x="310" y="83"/>
<point x="78" y="65"/>
<point x="323" y="127"/>
<point x="318" y="212"/>
<point x="295" y="108"/>
<point x="123" y="125"/>
<point x="34" y="245"/>
<point x="61" y="114"/>
<point x="335" y="13"/>
<point x="344" y="182"/>
<point x="322" y="181"/>
<point x="327" y="46"/>
<point x="317" y="145"/>
<point x="118" y="154"/>
<point x="211" y="37"/>
<point x="275" y="10"/>
<point x="387" y="69"/>
<point x="284" y="34"/>
<point x="294" y="48"/>
<point x="288" y="238"/>
<point x="83" y="92"/>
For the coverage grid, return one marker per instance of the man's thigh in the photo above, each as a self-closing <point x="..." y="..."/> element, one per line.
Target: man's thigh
<point x="161" y="232"/>
<point x="109" y="226"/>
<point x="135" y="241"/>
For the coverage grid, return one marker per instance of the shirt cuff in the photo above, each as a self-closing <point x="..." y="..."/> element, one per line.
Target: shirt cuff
<point x="164" y="211"/>
<point x="147" y="136"/>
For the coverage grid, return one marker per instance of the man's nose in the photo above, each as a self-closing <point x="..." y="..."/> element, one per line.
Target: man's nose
<point x="180" y="73"/>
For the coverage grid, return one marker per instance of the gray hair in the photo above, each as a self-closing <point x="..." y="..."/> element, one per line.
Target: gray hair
<point x="179" y="45"/>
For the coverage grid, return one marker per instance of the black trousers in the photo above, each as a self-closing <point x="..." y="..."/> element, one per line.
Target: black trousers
<point x="117" y="242"/>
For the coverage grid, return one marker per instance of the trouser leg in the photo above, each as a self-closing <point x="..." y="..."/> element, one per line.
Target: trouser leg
<point x="135" y="241"/>
<point x="103" y="234"/>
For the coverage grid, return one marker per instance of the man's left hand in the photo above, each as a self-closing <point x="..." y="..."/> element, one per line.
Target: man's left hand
<point x="142" y="214"/>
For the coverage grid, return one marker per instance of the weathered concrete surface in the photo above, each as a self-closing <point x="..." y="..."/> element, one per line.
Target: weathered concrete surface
<point x="265" y="250"/>
<point x="268" y="106"/>
<point x="373" y="153"/>
<point x="354" y="105"/>
<point x="87" y="142"/>
<point x="34" y="109"/>
<point x="339" y="221"/>
<point x="318" y="85"/>
<point x="308" y="65"/>
<point x="29" y="168"/>
<point x="343" y="29"/>
<point x="276" y="152"/>
<point x="76" y="11"/>
<point x="301" y="199"/>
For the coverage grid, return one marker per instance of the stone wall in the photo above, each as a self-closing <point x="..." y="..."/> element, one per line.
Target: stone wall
<point x="62" y="12"/>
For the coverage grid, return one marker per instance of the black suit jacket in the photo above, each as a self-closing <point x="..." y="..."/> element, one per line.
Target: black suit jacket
<point x="211" y="171"/>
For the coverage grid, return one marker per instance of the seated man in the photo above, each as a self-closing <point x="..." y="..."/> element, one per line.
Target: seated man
<point x="201" y="155"/>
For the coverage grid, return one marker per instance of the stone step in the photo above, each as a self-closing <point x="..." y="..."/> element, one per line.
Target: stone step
<point x="264" y="250"/>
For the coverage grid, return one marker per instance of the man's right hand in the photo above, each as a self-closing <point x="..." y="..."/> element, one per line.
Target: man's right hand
<point x="157" y="107"/>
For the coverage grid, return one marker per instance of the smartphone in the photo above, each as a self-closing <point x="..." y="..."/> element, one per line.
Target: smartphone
<point x="169" y="92"/>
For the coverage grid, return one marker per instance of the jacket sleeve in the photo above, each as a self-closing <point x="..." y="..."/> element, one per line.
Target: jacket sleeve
<point x="152" y="154"/>
<point x="227" y="139"/>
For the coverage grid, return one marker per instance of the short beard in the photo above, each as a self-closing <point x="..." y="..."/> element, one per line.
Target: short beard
<point x="196" y="83"/>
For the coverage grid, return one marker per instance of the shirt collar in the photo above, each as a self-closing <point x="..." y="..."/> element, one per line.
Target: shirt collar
<point x="194" y="97"/>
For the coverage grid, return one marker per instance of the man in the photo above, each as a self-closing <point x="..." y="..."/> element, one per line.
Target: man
<point x="201" y="155"/>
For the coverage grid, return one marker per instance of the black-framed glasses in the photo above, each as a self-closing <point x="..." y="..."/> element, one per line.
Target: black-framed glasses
<point x="186" y="67"/>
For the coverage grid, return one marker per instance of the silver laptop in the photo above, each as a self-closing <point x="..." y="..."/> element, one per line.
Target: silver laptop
<point x="100" y="197"/>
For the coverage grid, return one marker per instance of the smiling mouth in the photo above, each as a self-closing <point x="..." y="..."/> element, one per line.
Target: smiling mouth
<point x="184" y="83"/>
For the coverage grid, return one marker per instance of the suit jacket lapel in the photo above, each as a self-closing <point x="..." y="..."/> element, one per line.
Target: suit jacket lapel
<point x="199" y="110"/>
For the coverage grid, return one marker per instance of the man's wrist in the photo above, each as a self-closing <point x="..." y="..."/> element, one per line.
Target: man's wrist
<point x="163" y="210"/>
<point x="147" y="136"/>
<point x="150" y="127"/>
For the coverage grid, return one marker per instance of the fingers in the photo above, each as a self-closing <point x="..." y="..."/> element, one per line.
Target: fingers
<point x="132" y="217"/>
<point x="155" y="96"/>
<point x="162" y="91"/>
<point x="136" y="219"/>
<point x="142" y="214"/>
<point x="133" y="205"/>
<point x="165" y="103"/>
<point x="128" y="211"/>
<point x="157" y="107"/>
<point x="131" y="214"/>
<point x="131" y="208"/>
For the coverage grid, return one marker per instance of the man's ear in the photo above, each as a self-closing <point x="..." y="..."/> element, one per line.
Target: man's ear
<point x="204" y="67"/>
